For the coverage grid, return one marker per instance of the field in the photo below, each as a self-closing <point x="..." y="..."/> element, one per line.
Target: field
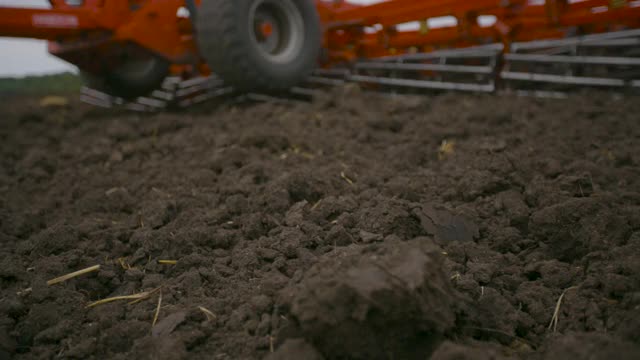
<point x="354" y="227"/>
<point x="65" y="83"/>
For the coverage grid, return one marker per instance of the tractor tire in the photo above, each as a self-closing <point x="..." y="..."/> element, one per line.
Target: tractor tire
<point x="131" y="79"/>
<point x="265" y="46"/>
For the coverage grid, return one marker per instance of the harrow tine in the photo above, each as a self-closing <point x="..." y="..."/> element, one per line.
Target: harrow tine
<point x="613" y="43"/>
<point x="470" y="52"/>
<point x="95" y="98"/>
<point x="208" y="81"/>
<point x="153" y="103"/>
<point x="162" y="95"/>
<point x="592" y="60"/>
<point x="541" y="94"/>
<point x="561" y="79"/>
<point x="579" y="40"/>
<point x="173" y="92"/>
<point x="92" y="101"/>
<point x="424" y="84"/>
<point x="205" y="96"/>
<point x="425" y="67"/>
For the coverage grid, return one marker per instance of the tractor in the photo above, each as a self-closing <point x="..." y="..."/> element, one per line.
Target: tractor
<point x="127" y="48"/>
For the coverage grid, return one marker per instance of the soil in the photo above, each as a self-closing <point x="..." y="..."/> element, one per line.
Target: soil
<point x="357" y="226"/>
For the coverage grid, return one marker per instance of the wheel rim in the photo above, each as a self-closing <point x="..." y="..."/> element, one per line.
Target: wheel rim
<point x="277" y="29"/>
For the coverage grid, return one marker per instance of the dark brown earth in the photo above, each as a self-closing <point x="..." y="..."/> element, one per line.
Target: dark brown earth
<point x="341" y="229"/>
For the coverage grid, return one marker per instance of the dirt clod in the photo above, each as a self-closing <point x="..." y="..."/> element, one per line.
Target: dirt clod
<point x="356" y="291"/>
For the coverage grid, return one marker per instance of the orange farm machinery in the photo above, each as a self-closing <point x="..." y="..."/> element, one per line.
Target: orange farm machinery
<point x="132" y="48"/>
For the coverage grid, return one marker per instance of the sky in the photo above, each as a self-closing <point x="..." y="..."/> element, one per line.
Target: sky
<point x="20" y="57"/>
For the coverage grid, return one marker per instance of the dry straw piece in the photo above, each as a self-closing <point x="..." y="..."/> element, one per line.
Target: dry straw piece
<point x="446" y="148"/>
<point x="135" y="297"/>
<point x="345" y="178"/>
<point x="553" y="325"/>
<point x="208" y="313"/>
<point x="145" y="298"/>
<point x="73" y="274"/>
<point x="167" y="262"/>
<point x="155" y="316"/>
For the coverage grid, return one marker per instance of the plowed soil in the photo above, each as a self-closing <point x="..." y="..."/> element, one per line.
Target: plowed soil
<point x="354" y="227"/>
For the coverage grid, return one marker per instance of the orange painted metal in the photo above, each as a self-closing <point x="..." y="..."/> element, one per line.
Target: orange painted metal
<point x="96" y="34"/>
<point x="515" y="20"/>
<point x="48" y="24"/>
<point x="156" y="26"/>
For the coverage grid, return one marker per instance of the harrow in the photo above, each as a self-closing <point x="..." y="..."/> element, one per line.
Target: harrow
<point x="155" y="54"/>
<point x="173" y="93"/>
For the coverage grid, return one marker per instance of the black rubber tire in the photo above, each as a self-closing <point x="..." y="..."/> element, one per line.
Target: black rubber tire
<point x="129" y="85"/>
<point x="225" y="41"/>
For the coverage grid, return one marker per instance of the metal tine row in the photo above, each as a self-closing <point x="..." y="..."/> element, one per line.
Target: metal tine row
<point x="533" y="56"/>
<point x="543" y="59"/>
<point x="173" y="92"/>
<point x="425" y="67"/>
<point x="436" y="62"/>
<point x="183" y="94"/>
<point x="469" y="52"/>
<point x="197" y="99"/>
<point x="624" y="36"/>
<point x="424" y="84"/>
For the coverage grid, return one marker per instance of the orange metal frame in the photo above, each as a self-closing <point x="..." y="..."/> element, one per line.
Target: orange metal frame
<point x="515" y="20"/>
<point x="99" y="33"/>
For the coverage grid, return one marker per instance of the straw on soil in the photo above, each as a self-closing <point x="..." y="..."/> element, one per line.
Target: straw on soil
<point x="345" y="178"/>
<point x="446" y="148"/>
<point x="208" y="313"/>
<point x="167" y="262"/>
<point x="145" y="298"/>
<point x="136" y="297"/>
<point x="124" y="264"/>
<point x="73" y="274"/>
<point x="155" y="316"/>
<point x="554" y="319"/>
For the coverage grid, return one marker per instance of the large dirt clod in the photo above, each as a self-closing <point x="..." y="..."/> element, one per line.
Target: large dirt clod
<point x="395" y="297"/>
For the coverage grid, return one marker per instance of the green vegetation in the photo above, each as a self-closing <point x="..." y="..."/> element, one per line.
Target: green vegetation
<point x="41" y="85"/>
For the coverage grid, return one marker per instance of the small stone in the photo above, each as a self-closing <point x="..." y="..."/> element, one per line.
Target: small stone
<point x="368" y="237"/>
